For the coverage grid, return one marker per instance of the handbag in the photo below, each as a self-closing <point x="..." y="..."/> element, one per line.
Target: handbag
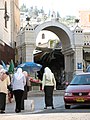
<point x="9" y="87"/>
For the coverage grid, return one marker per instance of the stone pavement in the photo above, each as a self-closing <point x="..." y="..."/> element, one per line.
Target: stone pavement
<point x="38" y="98"/>
<point x="39" y="105"/>
<point x="52" y="116"/>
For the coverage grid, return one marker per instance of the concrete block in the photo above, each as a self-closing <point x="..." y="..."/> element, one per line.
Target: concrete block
<point x="29" y="105"/>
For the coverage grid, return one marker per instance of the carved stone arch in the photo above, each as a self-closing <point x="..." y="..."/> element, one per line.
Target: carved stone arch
<point x="62" y="31"/>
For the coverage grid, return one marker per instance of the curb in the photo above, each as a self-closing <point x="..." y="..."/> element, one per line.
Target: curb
<point x="41" y="93"/>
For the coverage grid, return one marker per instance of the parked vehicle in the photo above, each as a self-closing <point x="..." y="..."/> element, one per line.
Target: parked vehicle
<point x="78" y="91"/>
<point x="88" y="69"/>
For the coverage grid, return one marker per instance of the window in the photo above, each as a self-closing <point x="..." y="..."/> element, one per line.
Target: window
<point x="43" y="36"/>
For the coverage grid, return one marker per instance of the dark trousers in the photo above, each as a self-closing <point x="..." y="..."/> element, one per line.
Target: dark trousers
<point x="48" y="90"/>
<point x="2" y="101"/>
<point x="18" y="98"/>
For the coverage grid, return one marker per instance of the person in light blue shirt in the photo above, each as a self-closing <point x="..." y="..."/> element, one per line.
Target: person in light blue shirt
<point x="18" y="82"/>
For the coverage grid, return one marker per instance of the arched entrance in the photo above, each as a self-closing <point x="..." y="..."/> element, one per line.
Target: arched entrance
<point x="62" y="31"/>
<point x="66" y="37"/>
<point x="71" y="44"/>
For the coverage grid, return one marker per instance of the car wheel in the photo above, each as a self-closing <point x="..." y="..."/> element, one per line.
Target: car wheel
<point x="67" y="106"/>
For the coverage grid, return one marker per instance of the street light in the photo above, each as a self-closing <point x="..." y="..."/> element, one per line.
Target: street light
<point x="6" y="16"/>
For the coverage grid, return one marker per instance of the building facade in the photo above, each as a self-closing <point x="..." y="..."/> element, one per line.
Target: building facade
<point x="15" y="21"/>
<point x="9" y="27"/>
<point x="5" y="23"/>
<point x="85" y="20"/>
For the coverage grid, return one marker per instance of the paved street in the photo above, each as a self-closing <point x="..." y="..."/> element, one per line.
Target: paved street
<point x="39" y="104"/>
<point x="60" y="116"/>
<point x="39" y="113"/>
<point x="38" y="98"/>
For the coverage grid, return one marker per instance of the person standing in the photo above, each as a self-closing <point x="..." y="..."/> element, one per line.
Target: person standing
<point x="4" y="83"/>
<point x="26" y="89"/>
<point x="18" y="82"/>
<point x="48" y="85"/>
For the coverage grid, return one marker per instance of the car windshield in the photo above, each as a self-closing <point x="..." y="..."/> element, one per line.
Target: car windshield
<point x="83" y="79"/>
<point x="88" y="69"/>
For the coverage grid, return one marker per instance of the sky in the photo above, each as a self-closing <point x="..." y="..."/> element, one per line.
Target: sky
<point x="64" y="7"/>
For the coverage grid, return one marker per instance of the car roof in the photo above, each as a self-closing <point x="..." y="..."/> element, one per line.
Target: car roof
<point x="83" y="73"/>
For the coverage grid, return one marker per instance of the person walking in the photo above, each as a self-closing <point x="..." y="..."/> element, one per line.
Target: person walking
<point x="48" y="85"/>
<point x="26" y="89"/>
<point x="18" y="82"/>
<point x="4" y="83"/>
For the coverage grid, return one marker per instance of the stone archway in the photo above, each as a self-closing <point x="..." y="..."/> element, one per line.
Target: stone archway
<point x="66" y="37"/>
<point x="71" y="44"/>
<point x="62" y="31"/>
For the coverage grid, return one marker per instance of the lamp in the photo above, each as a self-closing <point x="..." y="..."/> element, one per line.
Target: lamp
<point x="6" y="16"/>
